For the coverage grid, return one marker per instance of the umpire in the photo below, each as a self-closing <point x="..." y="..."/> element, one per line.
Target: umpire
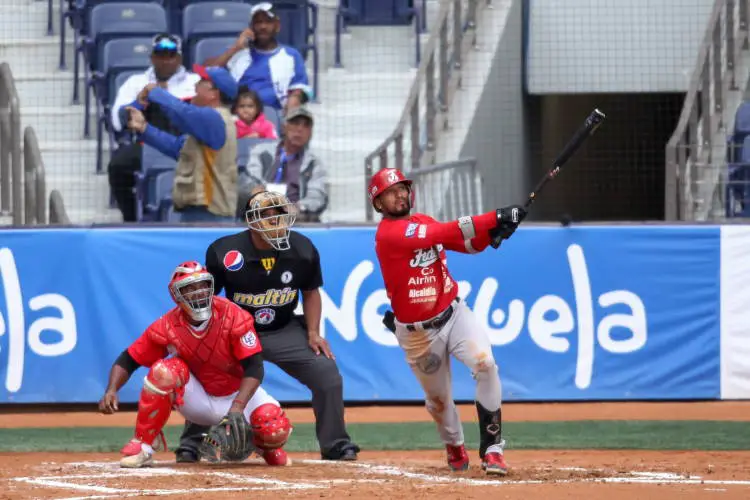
<point x="263" y="270"/>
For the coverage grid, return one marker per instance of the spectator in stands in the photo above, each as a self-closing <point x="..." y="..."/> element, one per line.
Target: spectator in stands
<point x="205" y="181"/>
<point x="251" y="122"/>
<point x="275" y="71"/>
<point x="167" y="72"/>
<point x="289" y="167"/>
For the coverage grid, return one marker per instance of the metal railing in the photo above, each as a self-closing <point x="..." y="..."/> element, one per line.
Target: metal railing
<point x="448" y="190"/>
<point x="57" y="213"/>
<point x="437" y="79"/>
<point x="34" y="180"/>
<point x="694" y="160"/>
<point x="11" y="170"/>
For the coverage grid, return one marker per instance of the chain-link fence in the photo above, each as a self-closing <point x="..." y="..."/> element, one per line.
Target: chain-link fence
<point x="408" y="83"/>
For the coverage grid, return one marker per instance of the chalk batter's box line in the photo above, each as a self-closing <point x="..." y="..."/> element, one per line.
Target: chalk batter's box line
<point x="104" y="492"/>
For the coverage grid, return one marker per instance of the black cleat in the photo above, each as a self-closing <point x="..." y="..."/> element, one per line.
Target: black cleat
<point x="344" y="451"/>
<point x="186" y="457"/>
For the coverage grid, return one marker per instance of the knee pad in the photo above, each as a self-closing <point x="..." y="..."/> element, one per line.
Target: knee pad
<point x="271" y="427"/>
<point x="167" y="376"/>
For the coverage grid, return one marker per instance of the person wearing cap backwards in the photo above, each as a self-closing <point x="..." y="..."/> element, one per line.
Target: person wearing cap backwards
<point x="205" y="180"/>
<point x="276" y="72"/>
<point x="290" y="167"/>
<point x="167" y="72"/>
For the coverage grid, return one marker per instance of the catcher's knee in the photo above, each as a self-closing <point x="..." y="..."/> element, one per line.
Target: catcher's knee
<point x="271" y="427"/>
<point x="167" y="376"/>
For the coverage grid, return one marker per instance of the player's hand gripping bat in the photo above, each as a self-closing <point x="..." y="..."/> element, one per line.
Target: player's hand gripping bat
<point x="587" y="129"/>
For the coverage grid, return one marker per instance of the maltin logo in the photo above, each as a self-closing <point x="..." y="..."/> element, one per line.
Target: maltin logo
<point x="13" y="324"/>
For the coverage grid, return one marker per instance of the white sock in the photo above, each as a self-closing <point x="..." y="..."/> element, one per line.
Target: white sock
<point x="489" y="390"/>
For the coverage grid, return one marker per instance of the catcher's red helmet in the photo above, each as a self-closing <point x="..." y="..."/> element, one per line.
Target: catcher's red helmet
<point x="271" y="427"/>
<point x="194" y="300"/>
<point x="385" y="178"/>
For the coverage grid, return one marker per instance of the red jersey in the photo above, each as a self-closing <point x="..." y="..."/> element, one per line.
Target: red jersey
<point x="213" y="354"/>
<point x="413" y="262"/>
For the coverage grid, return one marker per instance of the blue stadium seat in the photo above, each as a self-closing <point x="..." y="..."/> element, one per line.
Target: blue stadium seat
<point x="273" y="115"/>
<point x="161" y="202"/>
<point x="741" y="130"/>
<point x="117" y="20"/>
<point x="177" y="7"/>
<point x="244" y="147"/>
<point x="153" y="163"/>
<point x="212" y="19"/>
<point x="738" y="187"/>
<point x="378" y="12"/>
<point x="208" y="47"/>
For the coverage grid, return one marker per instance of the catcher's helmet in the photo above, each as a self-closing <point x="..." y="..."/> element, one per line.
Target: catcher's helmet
<point x="385" y="178"/>
<point x="192" y="289"/>
<point x="272" y="215"/>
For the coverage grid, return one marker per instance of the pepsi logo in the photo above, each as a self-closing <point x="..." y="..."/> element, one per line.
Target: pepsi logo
<point x="233" y="260"/>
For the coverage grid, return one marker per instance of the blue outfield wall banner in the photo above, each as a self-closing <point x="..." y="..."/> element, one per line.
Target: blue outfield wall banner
<point x="582" y="313"/>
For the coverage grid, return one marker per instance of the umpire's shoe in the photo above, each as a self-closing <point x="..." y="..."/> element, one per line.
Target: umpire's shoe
<point x="186" y="457"/>
<point x="343" y="451"/>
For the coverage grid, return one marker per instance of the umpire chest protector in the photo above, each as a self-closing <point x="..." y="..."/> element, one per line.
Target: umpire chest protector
<point x="266" y="283"/>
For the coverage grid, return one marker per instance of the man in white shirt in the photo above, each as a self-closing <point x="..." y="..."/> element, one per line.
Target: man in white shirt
<point x="167" y="72"/>
<point x="276" y="72"/>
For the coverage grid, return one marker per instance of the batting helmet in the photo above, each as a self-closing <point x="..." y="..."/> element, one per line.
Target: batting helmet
<point x="192" y="288"/>
<point x="385" y="178"/>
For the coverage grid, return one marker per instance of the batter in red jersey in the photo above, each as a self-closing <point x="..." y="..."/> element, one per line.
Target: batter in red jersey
<point x="428" y="318"/>
<point x="204" y="359"/>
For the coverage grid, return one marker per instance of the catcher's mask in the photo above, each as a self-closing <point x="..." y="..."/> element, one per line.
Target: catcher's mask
<point x="271" y="215"/>
<point x="192" y="289"/>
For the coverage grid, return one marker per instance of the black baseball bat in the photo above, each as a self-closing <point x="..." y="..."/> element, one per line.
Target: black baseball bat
<point x="592" y="122"/>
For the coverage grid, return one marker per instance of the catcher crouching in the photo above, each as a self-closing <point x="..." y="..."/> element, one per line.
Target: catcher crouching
<point x="205" y="361"/>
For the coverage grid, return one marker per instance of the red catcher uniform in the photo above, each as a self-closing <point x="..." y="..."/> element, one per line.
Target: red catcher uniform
<point x="412" y="258"/>
<point x="214" y="358"/>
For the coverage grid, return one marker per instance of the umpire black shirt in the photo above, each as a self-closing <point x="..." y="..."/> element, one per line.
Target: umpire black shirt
<point x="266" y="283"/>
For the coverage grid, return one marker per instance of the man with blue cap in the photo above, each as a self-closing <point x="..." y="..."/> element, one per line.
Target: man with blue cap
<point x="205" y="180"/>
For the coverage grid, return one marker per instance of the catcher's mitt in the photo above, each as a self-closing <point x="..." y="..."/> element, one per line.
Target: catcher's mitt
<point x="231" y="440"/>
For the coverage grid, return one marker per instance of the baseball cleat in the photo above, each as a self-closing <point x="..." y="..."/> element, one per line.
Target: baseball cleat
<point x="140" y="459"/>
<point x="186" y="457"/>
<point x="277" y="457"/>
<point x="494" y="462"/>
<point x="458" y="459"/>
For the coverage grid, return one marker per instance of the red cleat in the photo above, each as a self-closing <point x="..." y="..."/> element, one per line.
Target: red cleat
<point x="494" y="462"/>
<point x="458" y="459"/>
<point x="277" y="457"/>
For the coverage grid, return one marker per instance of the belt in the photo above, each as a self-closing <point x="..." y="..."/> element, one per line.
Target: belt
<point x="435" y="322"/>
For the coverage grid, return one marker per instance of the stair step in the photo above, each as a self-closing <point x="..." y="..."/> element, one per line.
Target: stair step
<point x="35" y="55"/>
<point x="27" y="19"/>
<point x="51" y="88"/>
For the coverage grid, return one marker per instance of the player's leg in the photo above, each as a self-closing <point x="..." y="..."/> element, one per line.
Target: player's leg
<point x="163" y="386"/>
<point x="469" y="343"/>
<point x="427" y="355"/>
<point x="199" y="416"/>
<point x="288" y="349"/>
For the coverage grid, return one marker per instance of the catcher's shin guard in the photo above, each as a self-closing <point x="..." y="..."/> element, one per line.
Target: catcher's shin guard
<point x="163" y="386"/>
<point x="490" y="427"/>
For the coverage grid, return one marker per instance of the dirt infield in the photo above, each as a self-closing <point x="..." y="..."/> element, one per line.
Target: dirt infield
<point x="619" y="474"/>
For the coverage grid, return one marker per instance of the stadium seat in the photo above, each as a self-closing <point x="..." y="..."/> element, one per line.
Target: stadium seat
<point x="741" y="130"/>
<point x="117" y="56"/>
<point x="208" y="47"/>
<point x="177" y="7"/>
<point x="378" y="12"/>
<point x="272" y="115"/>
<point x="244" y="147"/>
<point x="738" y="186"/>
<point x="153" y="163"/>
<point x="212" y="19"/>
<point x="161" y="203"/>
<point x="117" y="20"/>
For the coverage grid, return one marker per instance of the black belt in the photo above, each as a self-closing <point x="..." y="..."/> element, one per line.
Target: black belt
<point x="436" y="322"/>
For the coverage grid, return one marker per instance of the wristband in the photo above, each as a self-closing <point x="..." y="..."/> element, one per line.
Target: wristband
<point x="240" y="402"/>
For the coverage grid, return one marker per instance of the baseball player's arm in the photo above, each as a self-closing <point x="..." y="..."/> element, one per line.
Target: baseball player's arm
<point x="473" y="245"/>
<point x="247" y="350"/>
<point x="408" y="235"/>
<point x="253" y="373"/>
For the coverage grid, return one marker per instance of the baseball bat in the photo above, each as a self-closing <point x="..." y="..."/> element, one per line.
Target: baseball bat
<point x="592" y="122"/>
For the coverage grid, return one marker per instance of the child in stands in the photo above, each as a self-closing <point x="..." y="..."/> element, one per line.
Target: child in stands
<point x="251" y="122"/>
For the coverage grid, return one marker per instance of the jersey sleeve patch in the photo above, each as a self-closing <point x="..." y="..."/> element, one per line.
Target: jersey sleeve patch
<point x="249" y="340"/>
<point x="422" y="233"/>
<point x="411" y="229"/>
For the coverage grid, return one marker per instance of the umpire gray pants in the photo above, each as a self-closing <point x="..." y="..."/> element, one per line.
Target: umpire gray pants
<point x="288" y="349"/>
